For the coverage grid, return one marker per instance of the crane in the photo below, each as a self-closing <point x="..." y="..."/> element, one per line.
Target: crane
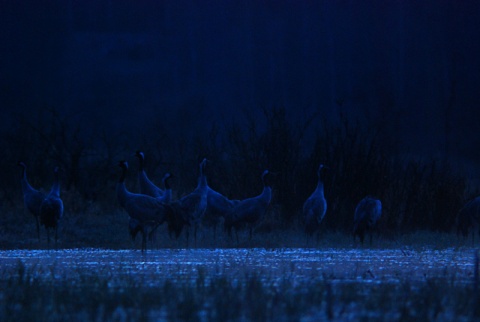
<point x="144" y="211"/>
<point x="32" y="198"/>
<point x="251" y="211"/>
<point x="190" y="209"/>
<point x="315" y="206"/>
<point x="51" y="209"/>
<point x="367" y="213"/>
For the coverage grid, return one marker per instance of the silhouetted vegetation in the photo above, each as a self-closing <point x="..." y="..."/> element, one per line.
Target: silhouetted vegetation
<point x="417" y="194"/>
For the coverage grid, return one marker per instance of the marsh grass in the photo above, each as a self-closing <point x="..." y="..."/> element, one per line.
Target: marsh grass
<point x="95" y="228"/>
<point x="28" y="294"/>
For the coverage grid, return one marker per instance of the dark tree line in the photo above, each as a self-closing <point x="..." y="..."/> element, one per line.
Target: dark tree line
<point x="408" y="66"/>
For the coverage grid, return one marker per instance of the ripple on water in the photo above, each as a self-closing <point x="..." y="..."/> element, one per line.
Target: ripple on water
<point x="368" y="266"/>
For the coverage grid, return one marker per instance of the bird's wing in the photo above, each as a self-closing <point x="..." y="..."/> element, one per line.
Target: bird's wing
<point x="359" y="212"/>
<point x="314" y="207"/>
<point x="249" y="210"/>
<point x="148" y="188"/>
<point x="377" y="213"/>
<point x="145" y="208"/>
<point x="218" y="202"/>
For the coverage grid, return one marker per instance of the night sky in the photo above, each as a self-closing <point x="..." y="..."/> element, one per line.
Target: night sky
<point x="409" y="68"/>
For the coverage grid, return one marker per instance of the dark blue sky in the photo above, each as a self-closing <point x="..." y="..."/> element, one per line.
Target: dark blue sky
<point x="411" y="68"/>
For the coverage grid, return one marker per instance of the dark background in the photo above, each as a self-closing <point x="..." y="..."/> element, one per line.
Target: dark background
<point x="411" y="66"/>
<point x="165" y="75"/>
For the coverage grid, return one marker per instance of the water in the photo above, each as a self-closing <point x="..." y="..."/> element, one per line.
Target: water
<point x="298" y="264"/>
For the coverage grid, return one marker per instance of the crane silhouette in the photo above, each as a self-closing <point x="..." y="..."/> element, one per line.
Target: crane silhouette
<point x="315" y="206"/>
<point x="32" y="198"/>
<point x="190" y="209"/>
<point x="249" y="212"/>
<point x="468" y="218"/>
<point x="218" y="206"/>
<point x="144" y="211"/>
<point x="367" y="213"/>
<point x="135" y="227"/>
<point x="51" y="209"/>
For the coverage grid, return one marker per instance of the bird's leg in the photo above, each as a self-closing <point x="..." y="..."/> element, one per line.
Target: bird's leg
<point x="56" y="235"/>
<point x="214" y="233"/>
<point x="195" y="236"/>
<point x="144" y="241"/>
<point x="38" y="227"/>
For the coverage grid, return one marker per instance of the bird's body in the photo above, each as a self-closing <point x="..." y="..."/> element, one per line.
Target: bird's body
<point x="144" y="211"/>
<point x="367" y="213"/>
<point x="218" y="206"/>
<point x="51" y="209"/>
<point x="190" y="209"/>
<point x="32" y="198"/>
<point x="468" y="218"/>
<point x="251" y="211"/>
<point x="315" y="206"/>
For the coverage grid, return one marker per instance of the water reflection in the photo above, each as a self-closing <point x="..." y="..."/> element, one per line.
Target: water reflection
<point x="339" y="265"/>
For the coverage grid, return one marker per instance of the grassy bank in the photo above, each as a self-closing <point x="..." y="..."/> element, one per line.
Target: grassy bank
<point x="26" y="295"/>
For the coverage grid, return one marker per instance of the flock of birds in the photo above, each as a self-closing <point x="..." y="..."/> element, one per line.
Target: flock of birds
<point x="153" y="206"/>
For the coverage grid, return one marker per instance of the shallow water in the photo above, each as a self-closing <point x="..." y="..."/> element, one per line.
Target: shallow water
<point x="299" y="264"/>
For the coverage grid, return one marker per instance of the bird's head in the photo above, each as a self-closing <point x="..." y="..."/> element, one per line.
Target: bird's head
<point x="21" y="164"/>
<point x="139" y="154"/>
<point x="58" y="169"/>
<point x="123" y="164"/>
<point x="266" y="177"/>
<point x="166" y="179"/>
<point x="168" y="175"/>
<point x="321" y="168"/>
<point x="203" y="164"/>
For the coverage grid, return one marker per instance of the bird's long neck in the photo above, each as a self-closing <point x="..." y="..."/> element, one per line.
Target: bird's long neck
<point x="168" y="190"/>
<point x="202" y="179"/>
<point x="166" y="183"/>
<point x="320" y="185"/>
<point x="267" y="194"/>
<point x="267" y="189"/>
<point x="123" y="175"/>
<point x="141" y="159"/>
<point x="25" y="184"/>
<point x="121" y="189"/>
<point x="202" y="182"/>
<point x="56" y="185"/>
